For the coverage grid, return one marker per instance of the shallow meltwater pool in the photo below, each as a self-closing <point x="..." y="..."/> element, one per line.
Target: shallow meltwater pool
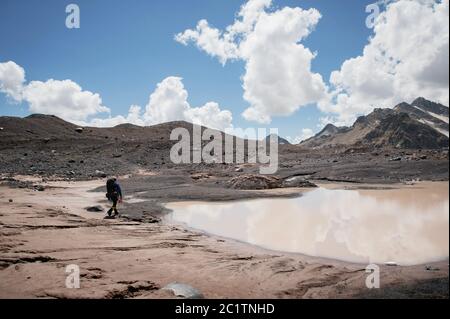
<point x="407" y="225"/>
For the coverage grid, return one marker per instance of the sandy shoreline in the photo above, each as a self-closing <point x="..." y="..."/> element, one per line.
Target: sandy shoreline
<point x="43" y="232"/>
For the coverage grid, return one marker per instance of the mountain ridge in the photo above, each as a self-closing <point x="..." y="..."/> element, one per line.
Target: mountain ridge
<point x="404" y="126"/>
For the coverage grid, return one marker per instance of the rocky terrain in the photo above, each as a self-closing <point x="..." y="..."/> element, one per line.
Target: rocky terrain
<point x="420" y="125"/>
<point x="388" y="145"/>
<point x="52" y="176"/>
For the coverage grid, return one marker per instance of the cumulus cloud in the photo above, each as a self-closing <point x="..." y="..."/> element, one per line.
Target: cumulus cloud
<point x="304" y="135"/>
<point x="134" y="117"/>
<point x="12" y="78"/>
<point x="407" y="56"/>
<point x="278" y="79"/>
<point x="169" y="102"/>
<point x="67" y="100"/>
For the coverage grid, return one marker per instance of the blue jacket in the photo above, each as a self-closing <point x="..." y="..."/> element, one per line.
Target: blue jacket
<point x="117" y="189"/>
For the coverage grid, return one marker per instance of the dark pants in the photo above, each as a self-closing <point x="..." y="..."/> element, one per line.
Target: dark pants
<point x="114" y="198"/>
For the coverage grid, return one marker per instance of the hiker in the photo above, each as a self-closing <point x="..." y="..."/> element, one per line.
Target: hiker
<point x="114" y="194"/>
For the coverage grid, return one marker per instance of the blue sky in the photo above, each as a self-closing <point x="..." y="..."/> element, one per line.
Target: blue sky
<point x="124" y="48"/>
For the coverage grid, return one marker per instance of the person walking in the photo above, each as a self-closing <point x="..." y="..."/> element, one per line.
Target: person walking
<point x="114" y="194"/>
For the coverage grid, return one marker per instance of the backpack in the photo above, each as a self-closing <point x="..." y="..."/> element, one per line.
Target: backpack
<point x="110" y="187"/>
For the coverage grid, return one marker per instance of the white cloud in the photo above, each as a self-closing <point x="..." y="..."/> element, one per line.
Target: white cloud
<point x="210" y="40"/>
<point x="169" y="103"/>
<point x="12" y="78"/>
<point x="305" y="134"/>
<point x="210" y="115"/>
<point x="407" y="57"/>
<point x="278" y="78"/>
<point x="134" y="117"/>
<point x="67" y="100"/>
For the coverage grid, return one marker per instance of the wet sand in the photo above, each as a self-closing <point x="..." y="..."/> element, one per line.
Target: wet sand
<point x="43" y="232"/>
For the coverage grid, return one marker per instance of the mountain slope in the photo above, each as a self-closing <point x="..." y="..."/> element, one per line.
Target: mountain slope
<point x="412" y="126"/>
<point x="327" y="133"/>
<point x="281" y="141"/>
<point x="428" y="113"/>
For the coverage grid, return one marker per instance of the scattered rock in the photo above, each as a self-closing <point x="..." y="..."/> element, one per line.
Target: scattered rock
<point x="95" y="209"/>
<point x="1" y="129"/>
<point x="395" y="159"/>
<point x="431" y="268"/>
<point x="200" y="176"/>
<point x="251" y="182"/>
<point x="10" y="200"/>
<point x="100" y="174"/>
<point x="79" y="130"/>
<point x="39" y="188"/>
<point x="298" y="182"/>
<point x="239" y="170"/>
<point x="184" y="291"/>
<point x="391" y="263"/>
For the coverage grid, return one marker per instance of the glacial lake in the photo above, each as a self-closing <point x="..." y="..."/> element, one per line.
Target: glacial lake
<point x="408" y="225"/>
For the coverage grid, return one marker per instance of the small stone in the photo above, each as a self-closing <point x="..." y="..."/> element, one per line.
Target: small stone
<point x="100" y="174"/>
<point x="184" y="291"/>
<point x="391" y="263"/>
<point x="431" y="268"/>
<point x="10" y="200"/>
<point x="39" y="188"/>
<point x="95" y="209"/>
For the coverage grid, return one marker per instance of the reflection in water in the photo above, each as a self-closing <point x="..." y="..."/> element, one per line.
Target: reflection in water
<point x="356" y="226"/>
